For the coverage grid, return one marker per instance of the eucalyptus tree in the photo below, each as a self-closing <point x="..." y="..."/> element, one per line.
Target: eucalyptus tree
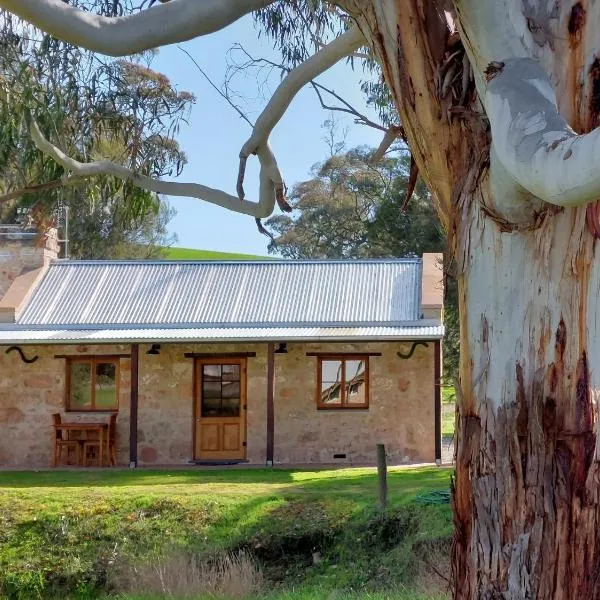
<point x="97" y="107"/>
<point x="499" y="103"/>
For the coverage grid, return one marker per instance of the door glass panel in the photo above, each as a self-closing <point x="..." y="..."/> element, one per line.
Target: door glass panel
<point x="331" y="382"/>
<point x="230" y="407"/>
<point x="355" y="382"/>
<point x="231" y="372"/>
<point x="212" y="372"/>
<point x="220" y="391"/>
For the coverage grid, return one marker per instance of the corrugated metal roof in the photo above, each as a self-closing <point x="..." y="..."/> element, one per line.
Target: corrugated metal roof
<point x="222" y="334"/>
<point x="108" y="294"/>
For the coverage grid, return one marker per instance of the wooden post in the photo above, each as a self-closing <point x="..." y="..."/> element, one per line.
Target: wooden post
<point x="270" y="403"/>
<point x="133" y="406"/>
<point x="437" y="398"/>
<point x="382" y="476"/>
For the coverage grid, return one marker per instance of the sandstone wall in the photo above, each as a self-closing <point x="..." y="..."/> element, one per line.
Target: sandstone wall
<point x="401" y="412"/>
<point x="31" y="393"/>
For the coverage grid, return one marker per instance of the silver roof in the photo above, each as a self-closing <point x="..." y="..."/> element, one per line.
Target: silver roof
<point x="108" y="294"/>
<point x="221" y="334"/>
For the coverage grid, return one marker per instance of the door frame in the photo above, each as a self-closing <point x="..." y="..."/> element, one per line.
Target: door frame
<point x="197" y="413"/>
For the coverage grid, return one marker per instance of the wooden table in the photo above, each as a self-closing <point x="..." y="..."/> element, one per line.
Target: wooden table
<point x="100" y="428"/>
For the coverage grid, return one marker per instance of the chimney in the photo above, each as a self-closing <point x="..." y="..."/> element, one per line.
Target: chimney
<point x="24" y="256"/>
<point x="432" y="286"/>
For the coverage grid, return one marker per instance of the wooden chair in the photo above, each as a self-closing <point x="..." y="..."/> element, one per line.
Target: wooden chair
<point x="110" y="441"/>
<point x="62" y="441"/>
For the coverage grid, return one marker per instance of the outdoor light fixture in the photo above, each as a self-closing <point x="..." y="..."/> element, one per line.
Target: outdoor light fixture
<point x="282" y="348"/>
<point x="155" y="349"/>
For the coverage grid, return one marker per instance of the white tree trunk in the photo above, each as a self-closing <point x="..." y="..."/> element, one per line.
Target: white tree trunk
<point x="526" y="496"/>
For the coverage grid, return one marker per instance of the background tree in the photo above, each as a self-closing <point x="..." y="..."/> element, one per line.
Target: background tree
<point x="498" y="101"/>
<point x="353" y="208"/>
<point x="118" y="110"/>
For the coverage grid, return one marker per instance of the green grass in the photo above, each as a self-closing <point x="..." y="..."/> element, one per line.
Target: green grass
<point x="448" y="405"/>
<point x="63" y="532"/>
<point x="448" y="394"/>
<point x="192" y="254"/>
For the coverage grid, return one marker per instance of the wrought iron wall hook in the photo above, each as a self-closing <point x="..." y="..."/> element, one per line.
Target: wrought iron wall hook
<point x="23" y="357"/>
<point x="412" y="350"/>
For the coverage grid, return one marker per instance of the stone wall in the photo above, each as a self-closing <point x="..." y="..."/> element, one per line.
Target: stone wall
<point x="31" y="393"/>
<point x="401" y="411"/>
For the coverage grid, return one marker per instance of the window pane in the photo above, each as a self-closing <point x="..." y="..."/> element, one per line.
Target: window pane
<point x="211" y="389"/>
<point x="230" y="407"/>
<point x="81" y="386"/>
<point x="211" y="407"/>
<point x="106" y="386"/>
<point x="331" y="382"/>
<point x="231" y="372"/>
<point x="355" y="382"/>
<point x="230" y="389"/>
<point x="211" y="372"/>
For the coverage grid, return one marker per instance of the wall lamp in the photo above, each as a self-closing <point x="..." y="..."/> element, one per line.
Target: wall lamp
<point x="281" y="349"/>
<point x="154" y="349"/>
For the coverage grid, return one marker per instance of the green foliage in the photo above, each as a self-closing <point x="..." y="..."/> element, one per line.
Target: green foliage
<point x="64" y="534"/>
<point x="92" y="108"/>
<point x="353" y="209"/>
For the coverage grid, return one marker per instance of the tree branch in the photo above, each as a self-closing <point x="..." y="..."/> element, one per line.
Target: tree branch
<point x="347" y="108"/>
<point x="533" y="143"/>
<point x="270" y="180"/>
<point x="325" y="58"/>
<point x="163" y="24"/>
<point x="223" y="95"/>
<point x="391" y="135"/>
<point x="39" y="187"/>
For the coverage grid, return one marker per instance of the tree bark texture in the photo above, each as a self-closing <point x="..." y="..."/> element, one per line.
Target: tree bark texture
<point x="526" y="489"/>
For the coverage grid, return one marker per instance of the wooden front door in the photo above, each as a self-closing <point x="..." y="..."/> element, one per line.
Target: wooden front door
<point x="220" y="409"/>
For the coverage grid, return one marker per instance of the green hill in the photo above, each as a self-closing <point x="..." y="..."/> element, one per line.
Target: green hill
<point x="192" y="254"/>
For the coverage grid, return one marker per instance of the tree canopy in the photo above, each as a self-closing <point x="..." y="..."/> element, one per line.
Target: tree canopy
<point x="120" y="110"/>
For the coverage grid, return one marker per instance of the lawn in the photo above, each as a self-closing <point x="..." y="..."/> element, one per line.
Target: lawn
<point x="312" y="533"/>
<point x="192" y="254"/>
<point x="448" y="406"/>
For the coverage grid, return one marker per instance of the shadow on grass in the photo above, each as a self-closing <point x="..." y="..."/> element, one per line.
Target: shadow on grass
<point x="309" y="479"/>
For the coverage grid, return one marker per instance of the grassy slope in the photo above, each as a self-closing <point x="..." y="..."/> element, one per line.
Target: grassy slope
<point x="62" y="531"/>
<point x="192" y="254"/>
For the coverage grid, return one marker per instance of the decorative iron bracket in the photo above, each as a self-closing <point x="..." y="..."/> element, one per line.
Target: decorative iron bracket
<point x="412" y="350"/>
<point x="23" y="357"/>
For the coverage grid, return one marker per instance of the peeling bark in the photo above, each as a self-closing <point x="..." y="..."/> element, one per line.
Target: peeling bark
<point x="526" y="488"/>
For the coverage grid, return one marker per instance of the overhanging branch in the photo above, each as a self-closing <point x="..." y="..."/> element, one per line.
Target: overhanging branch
<point x="163" y="24"/>
<point x="325" y="58"/>
<point x="269" y="179"/>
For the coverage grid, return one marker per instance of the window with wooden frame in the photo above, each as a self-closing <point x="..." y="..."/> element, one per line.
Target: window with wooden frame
<point x="92" y="384"/>
<point x="343" y="382"/>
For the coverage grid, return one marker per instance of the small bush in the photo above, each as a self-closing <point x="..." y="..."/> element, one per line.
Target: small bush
<point x="233" y="576"/>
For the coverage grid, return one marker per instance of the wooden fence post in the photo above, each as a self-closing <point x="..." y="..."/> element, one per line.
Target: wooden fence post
<point x="382" y="476"/>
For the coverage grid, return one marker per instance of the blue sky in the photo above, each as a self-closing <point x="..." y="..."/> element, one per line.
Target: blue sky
<point x="216" y="133"/>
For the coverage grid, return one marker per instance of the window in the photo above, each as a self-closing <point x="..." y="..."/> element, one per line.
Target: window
<point x="343" y="382"/>
<point x="221" y="390"/>
<point x="93" y="384"/>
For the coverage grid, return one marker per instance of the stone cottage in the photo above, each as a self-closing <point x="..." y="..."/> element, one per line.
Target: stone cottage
<point x="265" y="362"/>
